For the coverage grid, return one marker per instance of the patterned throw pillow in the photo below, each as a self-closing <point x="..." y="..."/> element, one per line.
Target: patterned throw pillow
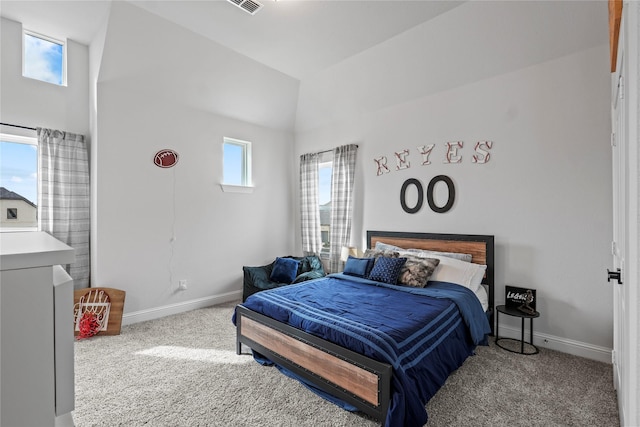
<point x="416" y="271"/>
<point x="373" y="253"/>
<point x="387" y="269"/>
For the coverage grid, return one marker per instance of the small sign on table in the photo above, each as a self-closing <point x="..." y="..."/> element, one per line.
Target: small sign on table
<point x="522" y="299"/>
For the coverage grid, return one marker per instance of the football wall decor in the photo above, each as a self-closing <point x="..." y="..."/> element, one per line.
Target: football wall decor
<point x="165" y="158"/>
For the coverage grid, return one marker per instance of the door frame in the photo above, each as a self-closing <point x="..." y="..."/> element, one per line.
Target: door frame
<point x="626" y="212"/>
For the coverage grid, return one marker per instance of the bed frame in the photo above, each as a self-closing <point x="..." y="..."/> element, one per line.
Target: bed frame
<point x="363" y="382"/>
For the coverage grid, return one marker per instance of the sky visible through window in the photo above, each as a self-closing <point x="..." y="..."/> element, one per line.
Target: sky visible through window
<point x="43" y="60"/>
<point x="19" y="169"/>
<point x="324" y="182"/>
<point x="232" y="164"/>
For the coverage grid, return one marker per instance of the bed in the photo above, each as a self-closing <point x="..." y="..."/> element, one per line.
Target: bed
<point x="318" y="335"/>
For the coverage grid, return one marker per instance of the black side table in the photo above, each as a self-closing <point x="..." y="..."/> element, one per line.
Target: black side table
<point x="516" y="313"/>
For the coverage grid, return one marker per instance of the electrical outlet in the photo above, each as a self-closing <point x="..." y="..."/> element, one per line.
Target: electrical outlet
<point x="182" y="285"/>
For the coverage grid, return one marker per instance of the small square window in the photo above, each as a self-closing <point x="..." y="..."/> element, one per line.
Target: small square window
<point x="44" y="58"/>
<point x="12" y="213"/>
<point x="236" y="162"/>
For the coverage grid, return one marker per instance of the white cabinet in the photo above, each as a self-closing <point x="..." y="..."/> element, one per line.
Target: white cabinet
<point x="36" y="331"/>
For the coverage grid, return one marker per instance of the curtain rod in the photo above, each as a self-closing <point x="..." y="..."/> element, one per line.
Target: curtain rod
<point x="17" y="126"/>
<point x="327" y="151"/>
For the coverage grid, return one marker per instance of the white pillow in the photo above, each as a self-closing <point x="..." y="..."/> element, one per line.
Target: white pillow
<point x="462" y="273"/>
<point x="483" y="297"/>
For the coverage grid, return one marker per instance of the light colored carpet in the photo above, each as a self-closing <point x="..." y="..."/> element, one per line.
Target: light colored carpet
<point x="182" y="371"/>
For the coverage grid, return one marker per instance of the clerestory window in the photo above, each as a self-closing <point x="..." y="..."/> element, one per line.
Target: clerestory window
<point x="44" y="58"/>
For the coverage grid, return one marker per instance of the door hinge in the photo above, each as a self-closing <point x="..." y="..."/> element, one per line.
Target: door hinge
<point x="614" y="248"/>
<point x="613" y="139"/>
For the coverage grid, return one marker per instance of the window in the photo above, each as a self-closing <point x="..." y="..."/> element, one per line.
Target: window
<point x="44" y="58"/>
<point x="18" y="183"/>
<point x="236" y="164"/>
<point x="324" y="198"/>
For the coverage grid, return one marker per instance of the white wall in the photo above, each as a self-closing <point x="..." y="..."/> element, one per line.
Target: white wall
<point x="33" y="103"/>
<point x="545" y="193"/>
<point x="148" y="54"/>
<point x="469" y="43"/>
<point x="142" y="207"/>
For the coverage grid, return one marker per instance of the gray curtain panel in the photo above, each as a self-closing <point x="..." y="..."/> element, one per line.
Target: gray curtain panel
<point x="344" y="166"/>
<point x="309" y="209"/>
<point x="64" y="196"/>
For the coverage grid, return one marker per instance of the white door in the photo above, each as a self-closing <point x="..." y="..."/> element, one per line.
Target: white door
<point x="618" y="144"/>
<point x="626" y="210"/>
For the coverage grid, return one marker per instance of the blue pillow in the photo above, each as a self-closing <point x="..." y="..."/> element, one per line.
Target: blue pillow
<point x="387" y="270"/>
<point x="360" y="267"/>
<point x="284" y="270"/>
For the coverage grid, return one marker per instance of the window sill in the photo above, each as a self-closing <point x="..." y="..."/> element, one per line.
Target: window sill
<point x="236" y="188"/>
<point x="17" y="229"/>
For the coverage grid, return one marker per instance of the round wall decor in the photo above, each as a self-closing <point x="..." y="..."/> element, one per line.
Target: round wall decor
<point x="166" y="158"/>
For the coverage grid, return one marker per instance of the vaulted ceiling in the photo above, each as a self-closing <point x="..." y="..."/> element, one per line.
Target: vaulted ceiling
<point x="306" y="62"/>
<point x="298" y="38"/>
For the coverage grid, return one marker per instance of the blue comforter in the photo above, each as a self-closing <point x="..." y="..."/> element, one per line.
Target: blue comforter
<point x="424" y="333"/>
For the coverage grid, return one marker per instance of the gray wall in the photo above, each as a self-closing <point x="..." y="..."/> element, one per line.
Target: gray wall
<point x="33" y="103"/>
<point x="544" y="194"/>
<point x="157" y="226"/>
<point x="152" y="227"/>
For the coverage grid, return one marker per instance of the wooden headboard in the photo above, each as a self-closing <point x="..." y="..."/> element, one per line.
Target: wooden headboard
<point x="481" y="248"/>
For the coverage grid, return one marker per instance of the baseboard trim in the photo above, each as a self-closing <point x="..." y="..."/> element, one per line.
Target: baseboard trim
<point x="177" y="308"/>
<point x="564" y="345"/>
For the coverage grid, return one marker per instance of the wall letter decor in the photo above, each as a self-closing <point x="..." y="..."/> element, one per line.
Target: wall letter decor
<point x="482" y="156"/>
<point x="452" y="152"/>
<point x="403" y="191"/>
<point x="452" y="155"/>
<point x="401" y="159"/>
<point x="430" y="190"/>
<point x="452" y="194"/>
<point x="382" y="165"/>
<point x="425" y="150"/>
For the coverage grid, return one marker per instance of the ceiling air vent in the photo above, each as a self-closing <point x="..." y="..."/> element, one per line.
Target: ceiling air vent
<point x="249" y="6"/>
